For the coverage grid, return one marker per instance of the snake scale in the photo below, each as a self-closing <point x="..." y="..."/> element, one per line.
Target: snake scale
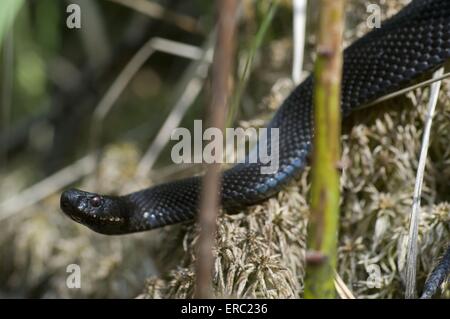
<point x="413" y="42"/>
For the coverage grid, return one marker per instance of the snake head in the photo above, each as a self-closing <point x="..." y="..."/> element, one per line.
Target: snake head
<point x="103" y="214"/>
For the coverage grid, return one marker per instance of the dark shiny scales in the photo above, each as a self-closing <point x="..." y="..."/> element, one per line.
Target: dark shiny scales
<point x="413" y="42"/>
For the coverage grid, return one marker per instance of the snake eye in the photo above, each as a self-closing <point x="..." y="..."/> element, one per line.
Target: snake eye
<point x="96" y="201"/>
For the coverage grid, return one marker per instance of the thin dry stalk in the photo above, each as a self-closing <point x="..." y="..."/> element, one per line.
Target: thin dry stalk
<point x="46" y="187"/>
<point x="342" y="289"/>
<point x="196" y="77"/>
<point x="299" y="39"/>
<point x="415" y="214"/>
<point x="156" y="11"/>
<point x="408" y="89"/>
<point x="209" y="204"/>
<point x="129" y="71"/>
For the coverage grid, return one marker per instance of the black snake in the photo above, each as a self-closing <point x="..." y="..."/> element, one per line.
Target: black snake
<point x="413" y="42"/>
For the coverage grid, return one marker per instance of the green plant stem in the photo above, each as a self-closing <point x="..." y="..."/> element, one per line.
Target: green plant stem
<point x="324" y="220"/>
<point x="255" y="45"/>
<point x="8" y="11"/>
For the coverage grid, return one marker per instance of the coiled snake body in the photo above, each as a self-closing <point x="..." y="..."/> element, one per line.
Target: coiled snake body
<point x="415" y="41"/>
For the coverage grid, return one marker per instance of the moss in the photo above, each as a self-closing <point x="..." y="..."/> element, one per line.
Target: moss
<point x="260" y="251"/>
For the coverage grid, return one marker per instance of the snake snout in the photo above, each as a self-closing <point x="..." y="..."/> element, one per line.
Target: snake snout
<point x="68" y="201"/>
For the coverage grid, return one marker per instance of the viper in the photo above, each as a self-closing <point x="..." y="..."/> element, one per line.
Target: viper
<point x="412" y="43"/>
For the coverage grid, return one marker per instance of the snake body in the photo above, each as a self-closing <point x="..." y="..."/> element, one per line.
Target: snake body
<point x="415" y="41"/>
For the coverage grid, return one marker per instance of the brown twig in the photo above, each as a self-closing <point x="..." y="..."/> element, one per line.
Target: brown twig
<point x="156" y="11"/>
<point x="209" y="200"/>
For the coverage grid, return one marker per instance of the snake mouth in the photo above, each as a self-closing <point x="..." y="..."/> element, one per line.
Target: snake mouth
<point x="84" y="218"/>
